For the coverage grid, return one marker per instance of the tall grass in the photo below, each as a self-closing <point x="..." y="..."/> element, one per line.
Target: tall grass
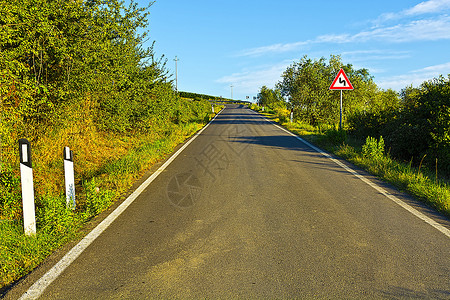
<point x="419" y="183"/>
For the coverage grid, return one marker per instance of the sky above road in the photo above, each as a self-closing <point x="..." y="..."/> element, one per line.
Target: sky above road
<point x="249" y="43"/>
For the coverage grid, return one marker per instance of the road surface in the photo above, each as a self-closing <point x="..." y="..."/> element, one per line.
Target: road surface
<point x="249" y="211"/>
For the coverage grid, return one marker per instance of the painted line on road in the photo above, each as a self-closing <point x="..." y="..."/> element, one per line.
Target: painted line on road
<point x="36" y="290"/>
<point x="399" y="202"/>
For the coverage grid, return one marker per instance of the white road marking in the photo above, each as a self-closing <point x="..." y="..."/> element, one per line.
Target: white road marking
<point x="415" y="212"/>
<point x="36" y="290"/>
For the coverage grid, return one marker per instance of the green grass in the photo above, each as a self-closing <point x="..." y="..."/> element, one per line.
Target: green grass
<point x="419" y="182"/>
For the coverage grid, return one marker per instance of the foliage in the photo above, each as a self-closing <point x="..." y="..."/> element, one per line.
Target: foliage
<point x="59" y="52"/>
<point x="415" y="126"/>
<point x="423" y="185"/>
<point x="270" y="98"/>
<point x="96" y="199"/>
<point x="75" y="73"/>
<point x="336" y="136"/>
<point x="10" y="200"/>
<point x="373" y="149"/>
<point x="306" y="86"/>
<point x="197" y="96"/>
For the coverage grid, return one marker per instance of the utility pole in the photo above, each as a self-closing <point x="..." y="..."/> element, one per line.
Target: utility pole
<point x="231" y="86"/>
<point x="176" y="73"/>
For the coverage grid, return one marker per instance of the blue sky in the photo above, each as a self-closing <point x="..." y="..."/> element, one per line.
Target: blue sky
<point x="249" y="43"/>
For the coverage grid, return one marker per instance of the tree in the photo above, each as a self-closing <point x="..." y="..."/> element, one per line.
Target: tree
<point x="270" y="98"/>
<point x="306" y="85"/>
<point x="56" y="54"/>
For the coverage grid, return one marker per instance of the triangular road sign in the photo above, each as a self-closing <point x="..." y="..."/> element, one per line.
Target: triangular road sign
<point x="341" y="82"/>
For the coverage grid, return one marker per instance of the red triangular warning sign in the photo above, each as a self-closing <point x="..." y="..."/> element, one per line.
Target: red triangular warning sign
<point x="341" y="82"/>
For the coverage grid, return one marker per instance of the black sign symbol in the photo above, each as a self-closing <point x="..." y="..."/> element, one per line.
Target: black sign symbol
<point x="342" y="81"/>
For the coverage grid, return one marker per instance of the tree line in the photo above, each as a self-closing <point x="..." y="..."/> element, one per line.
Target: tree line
<point x="414" y="123"/>
<point x="59" y="56"/>
<point x="197" y="96"/>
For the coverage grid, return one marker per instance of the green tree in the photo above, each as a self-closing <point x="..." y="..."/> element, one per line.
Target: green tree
<point x="306" y="85"/>
<point x="270" y="98"/>
<point x="56" y="54"/>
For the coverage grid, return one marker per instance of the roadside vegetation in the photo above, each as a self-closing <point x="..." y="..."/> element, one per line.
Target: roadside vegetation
<point x="76" y="74"/>
<point x="404" y="138"/>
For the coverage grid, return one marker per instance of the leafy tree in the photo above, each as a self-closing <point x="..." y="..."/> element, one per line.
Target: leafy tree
<point x="415" y="125"/>
<point x="306" y="85"/>
<point x="270" y="98"/>
<point x="428" y="112"/>
<point x="59" y="54"/>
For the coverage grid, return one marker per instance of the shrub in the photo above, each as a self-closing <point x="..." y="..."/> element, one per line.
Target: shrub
<point x="282" y="114"/>
<point x="336" y="136"/>
<point x="373" y="148"/>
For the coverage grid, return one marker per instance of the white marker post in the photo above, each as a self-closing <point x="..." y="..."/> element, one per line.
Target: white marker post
<point x="292" y="115"/>
<point x="69" y="177"/>
<point x="341" y="82"/>
<point x="26" y="176"/>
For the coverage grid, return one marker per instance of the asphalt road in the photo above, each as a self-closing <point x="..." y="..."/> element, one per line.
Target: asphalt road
<point x="248" y="211"/>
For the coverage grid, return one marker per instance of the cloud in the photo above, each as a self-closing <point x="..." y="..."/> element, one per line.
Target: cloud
<point x="414" y="31"/>
<point x="431" y="6"/>
<point x="250" y="81"/>
<point x="415" y="77"/>
<point x="431" y="29"/>
<point x="426" y="7"/>
<point x="276" y="48"/>
<point x="435" y="70"/>
<point x="374" y="55"/>
<point x="417" y="30"/>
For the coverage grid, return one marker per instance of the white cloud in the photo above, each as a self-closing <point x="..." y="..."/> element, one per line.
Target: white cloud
<point x="426" y="7"/>
<point x="374" y="55"/>
<point x="435" y="70"/>
<point x="417" y="30"/>
<point x="250" y="81"/>
<point x="276" y="48"/>
<point x="414" y="31"/>
<point x="415" y="77"/>
<point x="420" y="30"/>
<point x="431" y="6"/>
<point x="431" y="29"/>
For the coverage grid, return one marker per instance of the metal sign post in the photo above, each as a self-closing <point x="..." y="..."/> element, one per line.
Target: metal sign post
<point x="341" y="82"/>
<point x="340" y="113"/>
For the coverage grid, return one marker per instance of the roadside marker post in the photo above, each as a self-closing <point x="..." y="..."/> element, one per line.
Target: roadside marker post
<point x="26" y="179"/>
<point x="69" y="176"/>
<point x="341" y="82"/>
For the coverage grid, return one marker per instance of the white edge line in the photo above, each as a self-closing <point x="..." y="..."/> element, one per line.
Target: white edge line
<point x="412" y="210"/>
<point x="36" y="290"/>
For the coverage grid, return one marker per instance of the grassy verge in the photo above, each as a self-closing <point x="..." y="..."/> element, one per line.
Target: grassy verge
<point x="106" y="166"/>
<point x="423" y="184"/>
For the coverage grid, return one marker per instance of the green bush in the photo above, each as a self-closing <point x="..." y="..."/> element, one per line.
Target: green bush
<point x="419" y="126"/>
<point x="97" y="198"/>
<point x="373" y="149"/>
<point x="10" y="194"/>
<point x="336" y="136"/>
